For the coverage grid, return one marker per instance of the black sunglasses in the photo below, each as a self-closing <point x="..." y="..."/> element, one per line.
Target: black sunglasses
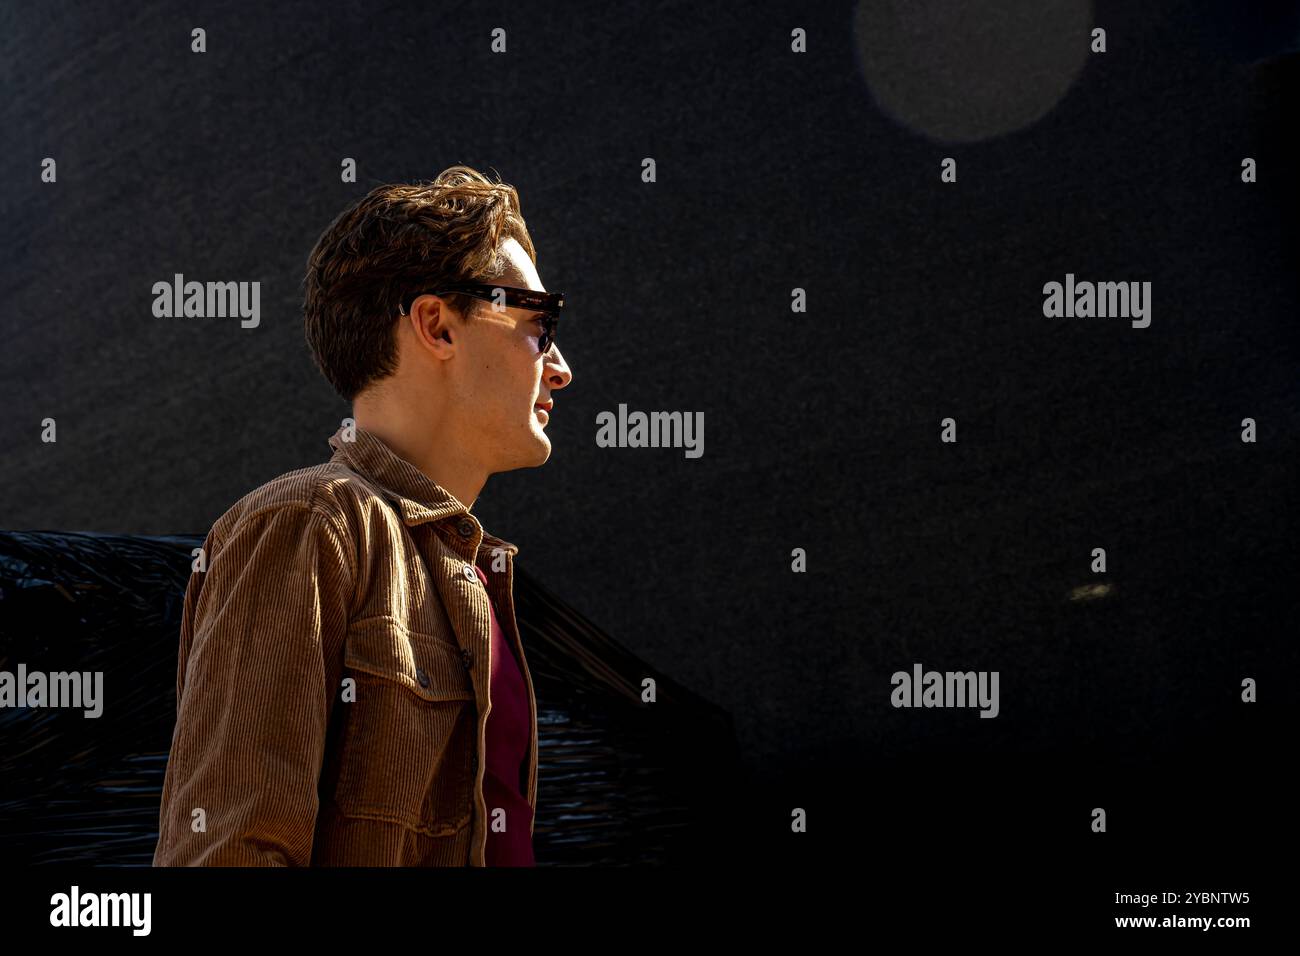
<point x="548" y="303"/>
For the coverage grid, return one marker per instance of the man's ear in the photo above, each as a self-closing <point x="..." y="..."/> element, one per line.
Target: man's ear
<point x="444" y="333"/>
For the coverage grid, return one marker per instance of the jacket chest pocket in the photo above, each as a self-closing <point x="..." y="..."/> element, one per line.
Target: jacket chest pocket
<point x="410" y="736"/>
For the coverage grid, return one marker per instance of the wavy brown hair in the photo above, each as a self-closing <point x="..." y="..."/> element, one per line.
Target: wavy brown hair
<point x="399" y="239"/>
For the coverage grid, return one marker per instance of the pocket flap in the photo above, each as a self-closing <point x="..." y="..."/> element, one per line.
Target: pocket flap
<point x="426" y="665"/>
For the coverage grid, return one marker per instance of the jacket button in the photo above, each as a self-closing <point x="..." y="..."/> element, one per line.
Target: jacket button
<point x="466" y="528"/>
<point x="469" y="572"/>
<point x="467" y="656"/>
<point x="421" y="677"/>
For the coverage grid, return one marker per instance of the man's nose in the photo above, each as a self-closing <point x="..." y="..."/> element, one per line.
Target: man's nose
<point x="558" y="372"/>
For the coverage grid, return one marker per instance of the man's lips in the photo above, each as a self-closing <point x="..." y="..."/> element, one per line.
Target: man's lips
<point x="545" y="406"/>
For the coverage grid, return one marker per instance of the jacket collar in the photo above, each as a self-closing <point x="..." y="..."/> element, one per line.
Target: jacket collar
<point x="416" y="496"/>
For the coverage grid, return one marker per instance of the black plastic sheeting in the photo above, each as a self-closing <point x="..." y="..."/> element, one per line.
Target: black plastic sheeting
<point x="619" y="781"/>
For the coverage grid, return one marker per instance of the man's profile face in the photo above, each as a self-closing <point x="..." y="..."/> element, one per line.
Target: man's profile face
<point x="501" y="376"/>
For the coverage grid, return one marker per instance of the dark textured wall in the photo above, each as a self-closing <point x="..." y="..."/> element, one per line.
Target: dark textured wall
<point x="775" y="170"/>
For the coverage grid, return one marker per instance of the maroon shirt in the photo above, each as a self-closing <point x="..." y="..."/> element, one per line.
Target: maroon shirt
<point x="508" y="736"/>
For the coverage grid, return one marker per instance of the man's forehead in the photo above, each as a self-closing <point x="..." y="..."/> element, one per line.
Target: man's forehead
<point x="520" y="271"/>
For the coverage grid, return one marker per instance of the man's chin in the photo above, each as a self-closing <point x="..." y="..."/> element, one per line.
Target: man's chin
<point x="537" y="452"/>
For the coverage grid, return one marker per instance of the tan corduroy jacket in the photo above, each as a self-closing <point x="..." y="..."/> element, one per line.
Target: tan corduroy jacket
<point x="332" y="688"/>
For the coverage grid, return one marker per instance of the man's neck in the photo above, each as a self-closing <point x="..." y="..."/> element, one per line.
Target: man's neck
<point x="435" y="455"/>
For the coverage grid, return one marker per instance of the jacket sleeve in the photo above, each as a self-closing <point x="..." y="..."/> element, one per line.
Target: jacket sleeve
<point x="253" y="705"/>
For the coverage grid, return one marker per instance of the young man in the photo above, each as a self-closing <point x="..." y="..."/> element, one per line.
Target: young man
<point x="351" y="687"/>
